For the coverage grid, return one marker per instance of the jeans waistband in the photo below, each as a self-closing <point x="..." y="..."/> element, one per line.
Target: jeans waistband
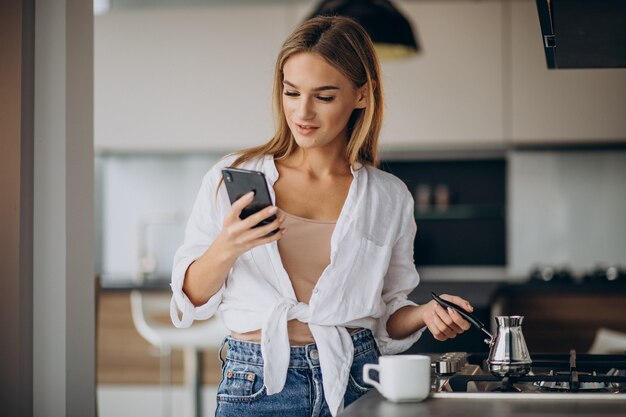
<point x="300" y="357"/>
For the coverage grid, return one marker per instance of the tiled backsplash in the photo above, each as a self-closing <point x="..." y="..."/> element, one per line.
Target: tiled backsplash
<point x="566" y="209"/>
<point x="144" y="203"/>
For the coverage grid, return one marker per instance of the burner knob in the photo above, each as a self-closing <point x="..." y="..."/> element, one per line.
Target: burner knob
<point x="612" y="273"/>
<point x="604" y="273"/>
<point x="547" y="273"/>
<point x="449" y="363"/>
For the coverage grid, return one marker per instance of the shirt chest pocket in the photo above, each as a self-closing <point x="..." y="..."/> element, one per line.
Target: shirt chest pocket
<point x="367" y="273"/>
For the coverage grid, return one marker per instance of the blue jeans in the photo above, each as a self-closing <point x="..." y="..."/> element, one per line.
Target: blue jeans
<point x="242" y="391"/>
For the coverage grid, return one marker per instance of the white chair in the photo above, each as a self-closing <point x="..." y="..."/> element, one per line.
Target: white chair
<point x="148" y="311"/>
<point x="608" y="342"/>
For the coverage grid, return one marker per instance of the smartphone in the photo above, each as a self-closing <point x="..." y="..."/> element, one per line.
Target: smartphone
<point x="240" y="182"/>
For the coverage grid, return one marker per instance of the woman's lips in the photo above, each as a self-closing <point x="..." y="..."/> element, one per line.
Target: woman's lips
<point x="305" y="129"/>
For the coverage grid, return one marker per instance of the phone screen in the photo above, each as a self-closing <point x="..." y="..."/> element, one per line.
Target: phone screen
<point x="240" y="182"/>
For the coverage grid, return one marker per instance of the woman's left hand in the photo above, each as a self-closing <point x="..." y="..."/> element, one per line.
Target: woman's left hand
<point x="446" y="323"/>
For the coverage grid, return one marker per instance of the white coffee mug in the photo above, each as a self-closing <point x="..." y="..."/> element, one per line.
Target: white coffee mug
<point x="401" y="377"/>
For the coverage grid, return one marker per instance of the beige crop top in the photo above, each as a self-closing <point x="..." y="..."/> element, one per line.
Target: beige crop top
<point x="305" y="252"/>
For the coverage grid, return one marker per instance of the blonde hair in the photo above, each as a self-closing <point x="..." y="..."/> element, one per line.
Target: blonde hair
<point x="344" y="44"/>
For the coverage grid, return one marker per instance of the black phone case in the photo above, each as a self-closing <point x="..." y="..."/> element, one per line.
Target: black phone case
<point x="240" y="182"/>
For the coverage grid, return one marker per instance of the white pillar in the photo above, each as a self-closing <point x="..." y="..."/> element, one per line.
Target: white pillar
<point x="63" y="277"/>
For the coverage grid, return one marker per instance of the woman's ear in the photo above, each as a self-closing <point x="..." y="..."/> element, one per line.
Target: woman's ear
<point x="363" y="95"/>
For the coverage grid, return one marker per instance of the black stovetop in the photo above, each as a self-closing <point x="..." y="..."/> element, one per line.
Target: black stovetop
<point x="571" y="372"/>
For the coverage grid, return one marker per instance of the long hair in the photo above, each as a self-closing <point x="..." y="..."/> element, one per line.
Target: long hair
<point x="345" y="45"/>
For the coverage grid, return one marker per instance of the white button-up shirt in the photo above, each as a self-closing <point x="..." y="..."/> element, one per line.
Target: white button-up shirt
<point x="370" y="274"/>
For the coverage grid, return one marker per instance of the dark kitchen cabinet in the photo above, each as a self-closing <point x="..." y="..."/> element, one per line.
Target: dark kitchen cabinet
<point x="466" y="226"/>
<point x="560" y="317"/>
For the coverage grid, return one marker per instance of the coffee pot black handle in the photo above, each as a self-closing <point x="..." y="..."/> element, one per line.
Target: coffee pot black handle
<point x="467" y="316"/>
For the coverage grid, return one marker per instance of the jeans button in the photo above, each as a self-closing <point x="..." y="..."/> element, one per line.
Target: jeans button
<point x="314" y="354"/>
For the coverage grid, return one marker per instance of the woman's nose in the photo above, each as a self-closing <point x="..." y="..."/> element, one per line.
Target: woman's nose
<point x="305" y="109"/>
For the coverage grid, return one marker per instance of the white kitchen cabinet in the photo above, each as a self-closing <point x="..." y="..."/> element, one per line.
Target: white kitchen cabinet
<point x="560" y="106"/>
<point x="450" y="95"/>
<point x="194" y="78"/>
<point x="200" y="78"/>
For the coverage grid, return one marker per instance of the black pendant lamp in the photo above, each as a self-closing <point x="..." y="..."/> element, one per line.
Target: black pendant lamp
<point x="390" y="31"/>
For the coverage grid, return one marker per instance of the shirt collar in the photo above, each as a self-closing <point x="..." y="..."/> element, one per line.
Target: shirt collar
<point x="271" y="173"/>
<point x="356" y="168"/>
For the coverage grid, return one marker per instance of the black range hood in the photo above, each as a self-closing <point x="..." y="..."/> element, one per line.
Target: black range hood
<point x="583" y="33"/>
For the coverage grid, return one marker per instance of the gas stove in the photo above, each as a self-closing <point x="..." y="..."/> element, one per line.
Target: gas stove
<point x="552" y="376"/>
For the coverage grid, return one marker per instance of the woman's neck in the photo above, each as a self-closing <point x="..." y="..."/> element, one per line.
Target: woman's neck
<point x="319" y="162"/>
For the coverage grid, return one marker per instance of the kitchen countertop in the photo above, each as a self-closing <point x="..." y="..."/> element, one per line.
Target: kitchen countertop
<point x="129" y="284"/>
<point x="480" y="293"/>
<point x="373" y="404"/>
<point x="593" y="287"/>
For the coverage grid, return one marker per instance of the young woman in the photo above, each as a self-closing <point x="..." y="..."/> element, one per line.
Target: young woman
<point x="308" y="306"/>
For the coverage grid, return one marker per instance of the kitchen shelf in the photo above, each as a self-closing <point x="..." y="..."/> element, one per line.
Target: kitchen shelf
<point x="461" y="212"/>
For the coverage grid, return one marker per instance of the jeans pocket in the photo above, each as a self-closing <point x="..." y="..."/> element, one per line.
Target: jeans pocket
<point x="356" y="371"/>
<point x="241" y="383"/>
<point x="357" y="386"/>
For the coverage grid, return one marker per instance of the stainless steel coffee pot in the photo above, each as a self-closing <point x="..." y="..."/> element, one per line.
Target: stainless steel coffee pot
<point x="508" y="354"/>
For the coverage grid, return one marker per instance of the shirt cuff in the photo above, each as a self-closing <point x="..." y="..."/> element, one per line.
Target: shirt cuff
<point x="181" y="302"/>
<point x="386" y="344"/>
<point x="190" y="312"/>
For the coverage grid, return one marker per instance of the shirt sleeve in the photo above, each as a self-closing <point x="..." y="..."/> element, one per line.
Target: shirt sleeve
<point x="203" y="226"/>
<point x="400" y="280"/>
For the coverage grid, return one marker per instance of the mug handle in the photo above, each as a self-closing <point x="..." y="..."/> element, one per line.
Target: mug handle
<point x="366" y="375"/>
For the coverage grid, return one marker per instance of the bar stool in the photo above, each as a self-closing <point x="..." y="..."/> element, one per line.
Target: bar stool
<point x="148" y="311"/>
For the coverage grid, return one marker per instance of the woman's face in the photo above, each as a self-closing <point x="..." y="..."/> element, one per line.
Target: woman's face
<point x="318" y="101"/>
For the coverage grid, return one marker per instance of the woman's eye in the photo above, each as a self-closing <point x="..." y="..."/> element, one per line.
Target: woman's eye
<point x="291" y="94"/>
<point x="326" y="98"/>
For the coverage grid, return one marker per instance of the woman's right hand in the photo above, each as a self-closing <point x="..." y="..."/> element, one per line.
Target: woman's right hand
<point x="206" y="275"/>
<point x="238" y="236"/>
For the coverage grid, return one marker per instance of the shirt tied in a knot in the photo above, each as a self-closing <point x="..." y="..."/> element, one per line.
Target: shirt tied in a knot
<point x="334" y="345"/>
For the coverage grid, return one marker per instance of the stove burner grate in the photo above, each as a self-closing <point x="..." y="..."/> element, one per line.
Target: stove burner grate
<point x="564" y="386"/>
<point x="506" y="386"/>
<point x="564" y="376"/>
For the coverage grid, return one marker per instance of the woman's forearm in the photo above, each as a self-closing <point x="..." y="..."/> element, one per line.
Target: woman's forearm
<point x="443" y="324"/>
<point x="405" y="321"/>
<point x="206" y="275"/>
